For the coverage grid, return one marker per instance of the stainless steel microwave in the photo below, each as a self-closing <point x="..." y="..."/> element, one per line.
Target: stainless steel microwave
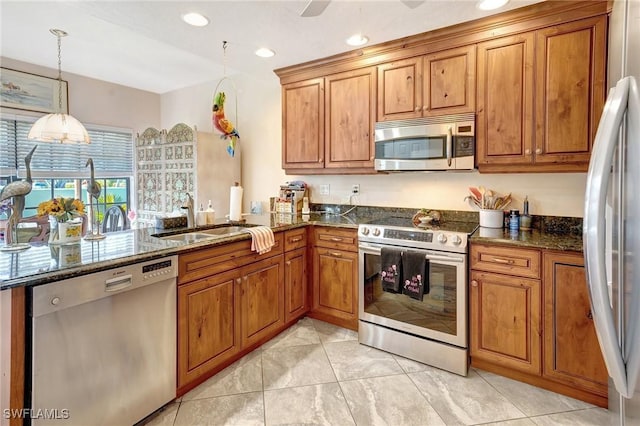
<point x="436" y="143"/>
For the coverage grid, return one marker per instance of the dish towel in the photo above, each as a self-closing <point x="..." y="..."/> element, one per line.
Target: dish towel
<point x="391" y="265"/>
<point x="415" y="274"/>
<point x="261" y="239"/>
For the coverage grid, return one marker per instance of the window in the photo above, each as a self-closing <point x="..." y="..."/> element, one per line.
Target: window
<point x="59" y="170"/>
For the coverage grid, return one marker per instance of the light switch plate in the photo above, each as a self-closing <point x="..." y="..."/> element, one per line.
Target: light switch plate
<point x="324" y="189"/>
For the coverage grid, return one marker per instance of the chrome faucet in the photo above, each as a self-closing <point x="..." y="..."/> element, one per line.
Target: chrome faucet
<point x="188" y="205"/>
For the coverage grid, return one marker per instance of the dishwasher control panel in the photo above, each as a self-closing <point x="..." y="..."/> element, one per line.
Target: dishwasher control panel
<point x="165" y="268"/>
<point x="78" y="290"/>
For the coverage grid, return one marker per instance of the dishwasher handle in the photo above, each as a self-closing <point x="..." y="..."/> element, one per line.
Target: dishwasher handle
<point x="118" y="283"/>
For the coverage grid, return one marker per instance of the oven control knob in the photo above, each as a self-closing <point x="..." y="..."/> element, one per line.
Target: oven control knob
<point x="456" y="240"/>
<point x="376" y="232"/>
<point x="442" y="238"/>
<point x="364" y="231"/>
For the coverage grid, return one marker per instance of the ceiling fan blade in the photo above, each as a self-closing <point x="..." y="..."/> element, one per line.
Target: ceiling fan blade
<point x="412" y="4"/>
<point x="315" y="8"/>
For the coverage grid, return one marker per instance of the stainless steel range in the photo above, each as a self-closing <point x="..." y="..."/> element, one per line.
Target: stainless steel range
<point x="431" y="329"/>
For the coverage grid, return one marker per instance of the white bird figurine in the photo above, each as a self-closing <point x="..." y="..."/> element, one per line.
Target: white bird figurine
<point x="93" y="189"/>
<point x="18" y="190"/>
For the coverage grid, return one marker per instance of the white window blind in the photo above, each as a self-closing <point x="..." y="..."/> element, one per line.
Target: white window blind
<point x="111" y="151"/>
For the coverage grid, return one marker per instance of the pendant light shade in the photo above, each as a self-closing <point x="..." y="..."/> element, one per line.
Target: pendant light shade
<point x="59" y="127"/>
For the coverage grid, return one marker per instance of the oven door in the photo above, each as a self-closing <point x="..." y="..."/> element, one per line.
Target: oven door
<point x="440" y="316"/>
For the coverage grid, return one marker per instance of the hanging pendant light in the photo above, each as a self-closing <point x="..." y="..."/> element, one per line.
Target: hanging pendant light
<point x="59" y="127"/>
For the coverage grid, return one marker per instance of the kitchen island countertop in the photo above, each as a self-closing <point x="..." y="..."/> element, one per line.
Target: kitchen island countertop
<point x="44" y="263"/>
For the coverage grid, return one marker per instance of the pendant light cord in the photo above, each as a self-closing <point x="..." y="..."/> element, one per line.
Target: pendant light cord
<point x="59" y="74"/>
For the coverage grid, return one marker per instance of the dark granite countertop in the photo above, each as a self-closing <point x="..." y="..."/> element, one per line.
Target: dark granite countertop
<point x="42" y="263"/>
<point x="529" y="239"/>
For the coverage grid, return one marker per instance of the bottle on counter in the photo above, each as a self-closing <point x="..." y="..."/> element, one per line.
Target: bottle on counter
<point x="201" y="216"/>
<point x="525" y="219"/>
<point x="514" y="221"/>
<point x="210" y="214"/>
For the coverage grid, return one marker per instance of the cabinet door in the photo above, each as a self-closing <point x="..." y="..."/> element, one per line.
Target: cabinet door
<point x="572" y="353"/>
<point x="505" y="321"/>
<point x="303" y="124"/>
<point x="296" y="299"/>
<point x="570" y="77"/>
<point x="504" y="130"/>
<point x="208" y="331"/>
<point x="400" y="89"/>
<point x="350" y="105"/>
<point x="262" y="299"/>
<point x="449" y="83"/>
<point x="335" y="285"/>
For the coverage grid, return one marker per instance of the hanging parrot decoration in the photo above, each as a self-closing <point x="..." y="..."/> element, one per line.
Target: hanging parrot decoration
<point x="225" y="126"/>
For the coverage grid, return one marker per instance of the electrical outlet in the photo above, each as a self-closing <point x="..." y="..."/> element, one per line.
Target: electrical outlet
<point x="355" y="189"/>
<point x="324" y="189"/>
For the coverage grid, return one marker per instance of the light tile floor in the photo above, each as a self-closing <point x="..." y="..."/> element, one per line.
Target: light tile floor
<point x="316" y="373"/>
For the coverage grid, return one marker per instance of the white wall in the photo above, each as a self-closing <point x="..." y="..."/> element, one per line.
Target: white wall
<point x="98" y="102"/>
<point x="259" y="125"/>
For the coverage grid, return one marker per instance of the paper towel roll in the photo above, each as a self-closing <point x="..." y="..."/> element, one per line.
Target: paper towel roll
<point x="235" y="203"/>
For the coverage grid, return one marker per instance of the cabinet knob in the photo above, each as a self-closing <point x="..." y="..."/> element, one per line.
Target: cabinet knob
<point x="418" y="108"/>
<point x="474" y="283"/>
<point x="238" y="281"/>
<point x="424" y="108"/>
<point x="320" y="160"/>
<point x="590" y="314"/>
<point x="527" y="151"/>
<point x="538" y="150"/>
<point x="288" y="263"/>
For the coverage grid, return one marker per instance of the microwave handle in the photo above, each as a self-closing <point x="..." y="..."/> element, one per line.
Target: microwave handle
<point x="449" y="146"/>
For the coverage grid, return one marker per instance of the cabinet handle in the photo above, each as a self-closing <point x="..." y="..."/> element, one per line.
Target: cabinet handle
<point x="474" y="283"/>
<point x="538" y="150"/>
<point x="295" y="240"/>
<point x="336" y="239"/>
<point x="527" y="151"/>
<point x="503" y="261"/>
<point x="334" y="254"/>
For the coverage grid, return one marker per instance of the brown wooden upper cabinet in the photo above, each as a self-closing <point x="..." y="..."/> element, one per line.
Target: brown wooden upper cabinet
<point x="436" y="84"/>
<point x="549" y="124"/>
<point x="328" y="122"/>
<point x="303" y="124"/>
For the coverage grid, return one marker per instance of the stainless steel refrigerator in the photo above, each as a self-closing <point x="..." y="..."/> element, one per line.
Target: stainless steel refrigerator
<point x="612" y="218"/>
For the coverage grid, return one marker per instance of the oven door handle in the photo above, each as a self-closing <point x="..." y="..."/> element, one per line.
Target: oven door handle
<point x="443" y="258"/>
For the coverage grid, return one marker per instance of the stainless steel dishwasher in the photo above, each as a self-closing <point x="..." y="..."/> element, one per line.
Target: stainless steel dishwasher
<point x="104" y="345"/>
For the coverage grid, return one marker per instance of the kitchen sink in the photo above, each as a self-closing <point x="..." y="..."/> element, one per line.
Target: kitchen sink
<point x="189" y="237"/>
<point x="206" y="234"/>
<point x="224" y="230"/>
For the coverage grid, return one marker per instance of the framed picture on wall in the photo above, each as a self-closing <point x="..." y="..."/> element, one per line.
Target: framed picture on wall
<point x="31" y="92"/>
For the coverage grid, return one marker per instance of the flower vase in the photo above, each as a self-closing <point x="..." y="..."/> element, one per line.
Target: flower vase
<point x="69" y="232"/>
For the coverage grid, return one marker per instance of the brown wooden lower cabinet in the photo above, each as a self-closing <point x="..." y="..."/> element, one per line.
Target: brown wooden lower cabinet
<point x="539" y="331"/>
<point x="569" y="355"/>
<point x="208" y="331"/>
<point x="262" y="300"/>
<point x="505" y="321"/>
<point x="296" y="301"/>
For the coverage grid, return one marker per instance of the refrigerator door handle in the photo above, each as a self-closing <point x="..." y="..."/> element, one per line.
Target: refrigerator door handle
<point x="594" y="231"/>
<point x="632" y="337"/>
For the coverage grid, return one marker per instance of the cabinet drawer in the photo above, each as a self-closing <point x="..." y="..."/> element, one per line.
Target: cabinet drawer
<point x="295" y="239"/>
<point x="209" y="261"/>
<point x="506" y="260"/>
<point x="336" y="238"/>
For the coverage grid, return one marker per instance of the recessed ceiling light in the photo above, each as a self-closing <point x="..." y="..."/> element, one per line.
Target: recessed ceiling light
<point x="357" y="40"/>
<point x="195" y="19"/>
<point x="264" y="52"/>
<point x="491" y="4"/>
